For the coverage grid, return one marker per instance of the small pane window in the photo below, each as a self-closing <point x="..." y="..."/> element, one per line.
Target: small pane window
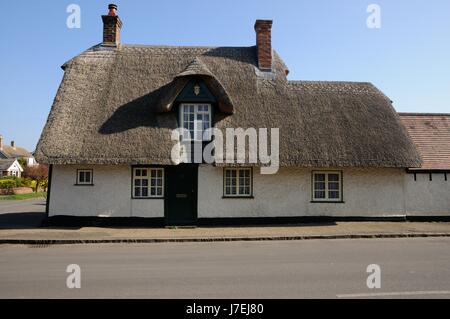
<point x="237" y="182"/>
<point x="195" y="118"/>
<point x="84" y="177"/>
<point x="148" y="182"/>
<point x="327" y="186"/>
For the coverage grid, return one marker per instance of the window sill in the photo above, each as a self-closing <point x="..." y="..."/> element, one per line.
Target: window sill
<point x="83" y="184"/>
<point x="328" y="201"/>
<point x="233" y="197"/>
<point x="159" y="197"/>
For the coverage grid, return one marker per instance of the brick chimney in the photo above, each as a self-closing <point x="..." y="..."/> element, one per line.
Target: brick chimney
<point x="13" y="144"/>
<point x="111" y="27"/>
<point x="263" y="30"/>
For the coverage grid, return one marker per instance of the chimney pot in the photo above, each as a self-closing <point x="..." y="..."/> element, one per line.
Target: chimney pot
<point x="1" y="142"/>
<point x="112" y="9"/>
<point x="263" y="29"/>
<point x="13" y="144"/>
<point x="111" y="27"/>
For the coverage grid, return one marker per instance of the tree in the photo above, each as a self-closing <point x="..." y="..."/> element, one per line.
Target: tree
<point x="23" y="162"/>
<point x="39" y="173"/>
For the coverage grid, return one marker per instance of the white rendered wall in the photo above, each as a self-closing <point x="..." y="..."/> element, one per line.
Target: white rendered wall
<point x="367" y="192"/>
<point x="425" y="197"/>
<point x="110" y="196"/>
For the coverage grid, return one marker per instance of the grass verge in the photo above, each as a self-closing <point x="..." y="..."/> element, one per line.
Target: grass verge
<point x="23" y="196"/>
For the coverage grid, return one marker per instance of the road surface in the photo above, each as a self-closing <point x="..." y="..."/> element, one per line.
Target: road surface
<point x="410" y="268"/>
<point x="17" y="214"/>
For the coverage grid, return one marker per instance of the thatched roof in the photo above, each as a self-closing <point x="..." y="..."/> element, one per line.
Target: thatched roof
<point x="431" y="134"/>
<point x="114" y="106"/>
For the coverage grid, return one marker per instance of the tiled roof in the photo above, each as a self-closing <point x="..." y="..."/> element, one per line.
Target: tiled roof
<point x="6" y="163"/>
<point x="15" y="152"/>
<point x="431" y="134"/>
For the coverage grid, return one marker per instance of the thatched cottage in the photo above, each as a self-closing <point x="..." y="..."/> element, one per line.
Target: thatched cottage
<point x="343" y="149"/>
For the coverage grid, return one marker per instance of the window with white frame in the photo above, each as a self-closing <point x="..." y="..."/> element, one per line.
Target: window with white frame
<point x="238" y="182"/>
<point x="327" y="186"/>
<point x="148" y="182"/>
<point x="195" y="118"/>
<point x="84" y="177"/>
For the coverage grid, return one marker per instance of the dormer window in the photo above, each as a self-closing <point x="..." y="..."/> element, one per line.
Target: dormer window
<point x="195" y="118"/>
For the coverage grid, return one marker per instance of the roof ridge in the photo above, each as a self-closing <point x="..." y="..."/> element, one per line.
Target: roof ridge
<point x="335" y="86"/>
<point x="422" y="114"/>
<point x="184" y="46"/>
<point x="329" y="82"/>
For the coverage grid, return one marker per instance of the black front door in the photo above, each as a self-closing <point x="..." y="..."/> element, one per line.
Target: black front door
<point x="181" y="206"/>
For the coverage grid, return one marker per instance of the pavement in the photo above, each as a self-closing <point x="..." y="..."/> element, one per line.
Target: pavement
<point x="410" y="268"/>
<point x="20" y="223"/>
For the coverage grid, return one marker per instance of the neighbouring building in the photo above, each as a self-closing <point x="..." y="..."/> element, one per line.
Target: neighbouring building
<point x="15" y="152"/>
<point x="10" y="167"/>
<point x="344" y="152"/>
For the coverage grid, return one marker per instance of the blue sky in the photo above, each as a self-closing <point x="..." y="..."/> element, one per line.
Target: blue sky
<point x="408" y="58"/>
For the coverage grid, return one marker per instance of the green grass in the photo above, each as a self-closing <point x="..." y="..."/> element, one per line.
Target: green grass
<point x="23" y="196"/>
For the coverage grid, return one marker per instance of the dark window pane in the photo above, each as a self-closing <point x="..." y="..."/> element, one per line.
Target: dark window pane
<point x="138" y="172"/>
<point x="159" y="191"/>
<point x="319" y="194"/>
<point x="333" y="177"/>
<point x="145" y="182"/>
<point x="81" y="177"/>
<point x="333" y="194"/>
<point x="333" y="186"/>
<point x="153" y="191"/>
<point x="137" y="192"/>
<point x="319" y="185"/>
<point x="87" y="177"/>
<point x="319" y="177"/>
<point x="144" y="192"/>
<point x="137" y="182"/>
<point x="144" y="172"/>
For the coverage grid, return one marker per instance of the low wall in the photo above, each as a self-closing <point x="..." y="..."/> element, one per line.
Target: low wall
<point x="16" y="191"/>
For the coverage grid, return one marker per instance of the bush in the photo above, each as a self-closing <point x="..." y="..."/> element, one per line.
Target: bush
<point x="27" y="182"/>
<point x="18" y="182"/>
<point x="7" y="183"/>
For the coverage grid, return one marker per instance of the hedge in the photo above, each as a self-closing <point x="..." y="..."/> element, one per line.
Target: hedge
<point x="7" y="183"/>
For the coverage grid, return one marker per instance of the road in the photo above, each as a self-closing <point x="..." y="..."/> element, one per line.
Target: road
<point x="21" y="213"/>
<point x="410" y="268"/>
